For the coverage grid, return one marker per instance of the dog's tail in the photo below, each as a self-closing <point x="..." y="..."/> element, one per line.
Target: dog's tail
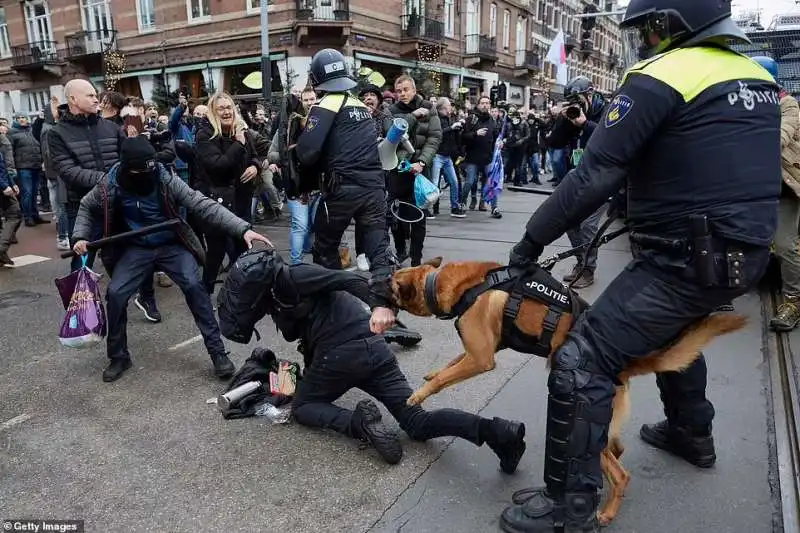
<point x="683" y="353"/>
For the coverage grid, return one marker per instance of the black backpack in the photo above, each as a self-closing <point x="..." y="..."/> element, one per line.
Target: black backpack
<point x="246" y="297"/>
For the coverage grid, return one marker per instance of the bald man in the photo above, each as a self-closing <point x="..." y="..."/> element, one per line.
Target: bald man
<point x="83" y="147"/>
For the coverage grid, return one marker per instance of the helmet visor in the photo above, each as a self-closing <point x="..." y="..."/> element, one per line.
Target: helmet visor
<point x="652" y="36"/>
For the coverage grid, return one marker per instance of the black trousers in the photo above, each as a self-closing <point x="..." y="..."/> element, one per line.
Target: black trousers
<point x="217" y="245"/>
<point x="368" y="364"/>
<point x="644" y="309"/>
<point x="136" y="265"/>
<point x="403" y="231"/>
<point x="10" y="209"/>
<point x="367" y="206"/>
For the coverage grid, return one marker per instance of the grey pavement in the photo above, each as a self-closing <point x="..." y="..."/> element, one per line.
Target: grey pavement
<point x="147" y="454"/>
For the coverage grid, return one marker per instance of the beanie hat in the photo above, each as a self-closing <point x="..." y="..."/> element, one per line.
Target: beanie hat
<point x="374" y="89"/>
<point x="138" y="155"/>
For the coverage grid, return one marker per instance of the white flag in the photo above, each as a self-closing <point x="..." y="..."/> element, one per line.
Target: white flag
<point x="557" y="55"/>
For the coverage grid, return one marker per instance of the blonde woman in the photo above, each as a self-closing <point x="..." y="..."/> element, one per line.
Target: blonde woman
<point x="226" y="166"/>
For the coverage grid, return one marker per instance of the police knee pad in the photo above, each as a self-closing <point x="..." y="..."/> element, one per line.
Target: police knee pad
<point x="573" y="366"/>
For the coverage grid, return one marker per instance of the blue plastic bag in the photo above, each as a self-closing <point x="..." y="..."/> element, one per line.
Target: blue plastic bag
<point x="425" y="192"/>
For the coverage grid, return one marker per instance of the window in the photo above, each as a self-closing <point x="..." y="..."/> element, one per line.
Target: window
<point x="5" y="42"/>
<point x="198" y="10"/>
<point x="96" y="17"/>
<point x="506" y="28"/>
<point x="35" y="100"/>
<point x="493" y="21"/>
<point x="521" y="31"/>
<point x="40" y="32"/>
<point x="146" y="15"/>
<point x="449" y="18"/>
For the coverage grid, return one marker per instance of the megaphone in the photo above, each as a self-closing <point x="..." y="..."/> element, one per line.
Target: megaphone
<point x="387" y="148"/>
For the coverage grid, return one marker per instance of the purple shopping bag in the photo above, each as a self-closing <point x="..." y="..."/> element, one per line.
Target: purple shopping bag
<point x="85" y="322"/>
<point x="66" y="286"/>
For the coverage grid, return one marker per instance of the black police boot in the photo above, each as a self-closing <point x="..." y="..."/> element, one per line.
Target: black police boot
<point x="223" y="366"/>
<point x="697" y="449"/>
<point x="367" y="425"/>
<point x="506" y="438"/>
<point x="115" y="369"/>
<point x="403" y="336"/>
<point x="578" y="415"/>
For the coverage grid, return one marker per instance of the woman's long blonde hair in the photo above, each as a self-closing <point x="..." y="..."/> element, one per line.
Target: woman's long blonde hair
<point x="214" y="119"/>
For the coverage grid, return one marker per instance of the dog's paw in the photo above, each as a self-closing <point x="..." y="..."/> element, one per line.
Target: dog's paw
<point x="604" y="519"/>
<point x="430" y="375"/>
<point x="415" y="399"/>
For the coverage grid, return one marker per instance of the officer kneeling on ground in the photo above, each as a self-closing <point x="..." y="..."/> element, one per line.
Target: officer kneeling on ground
<point x="323" y="309"/>
<point x="139" y="192"/>
<point x="695" y="131"/>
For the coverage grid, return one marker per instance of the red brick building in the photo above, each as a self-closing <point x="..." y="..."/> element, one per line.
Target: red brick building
<point x="207" y="45"/>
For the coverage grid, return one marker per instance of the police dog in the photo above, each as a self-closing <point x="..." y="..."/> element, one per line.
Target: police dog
<point x="480" y="329"/>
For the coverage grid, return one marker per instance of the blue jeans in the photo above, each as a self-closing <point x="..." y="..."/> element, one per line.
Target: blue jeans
<point x="535" y="164"/>
<point x="29" y="187"/>
<point x="300" y="231"/>
<point x="559" y="163"/>
<point x="471" y="170"/>
<point x="445" y="163"/>
<point x="62" y="226"/>
<point x="134" y="268"/>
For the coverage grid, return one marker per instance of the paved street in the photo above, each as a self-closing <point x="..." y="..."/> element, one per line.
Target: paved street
<point x="147" y="454"/>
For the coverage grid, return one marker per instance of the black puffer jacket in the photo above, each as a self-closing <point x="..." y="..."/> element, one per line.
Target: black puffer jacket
<point x="480" y="148"/>
<point x="83" y="148"/>
<point x="27" y="152"/>
<point x="451" y="138"/>
<point x="220" y="162"/>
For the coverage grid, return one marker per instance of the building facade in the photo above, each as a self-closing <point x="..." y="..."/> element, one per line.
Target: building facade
<point x="201" y="46"/>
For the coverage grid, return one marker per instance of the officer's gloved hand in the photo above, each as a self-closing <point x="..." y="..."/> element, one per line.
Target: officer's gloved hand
<point x="526" y="252"/>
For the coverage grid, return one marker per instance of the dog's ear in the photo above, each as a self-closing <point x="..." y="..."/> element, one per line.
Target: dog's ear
<point x="407" y="292"/>
<point x="436" y="262"/>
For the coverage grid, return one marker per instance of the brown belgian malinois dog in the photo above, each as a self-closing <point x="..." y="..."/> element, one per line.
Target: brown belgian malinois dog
<point x="480" y="328"/>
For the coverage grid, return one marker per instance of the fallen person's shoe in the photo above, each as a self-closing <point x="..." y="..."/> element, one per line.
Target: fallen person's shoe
<point x="368" y="426"/>
<point x="402" y="335"/>
<point x="507" y="440"/>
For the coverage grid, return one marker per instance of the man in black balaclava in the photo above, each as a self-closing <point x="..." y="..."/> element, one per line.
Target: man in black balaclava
<point x="324" y="309"/>
<point x="139" y="192"/>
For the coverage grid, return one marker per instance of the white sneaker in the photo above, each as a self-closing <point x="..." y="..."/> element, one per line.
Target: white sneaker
<point x="62" y="245"/>
<point x="362" y="263"/>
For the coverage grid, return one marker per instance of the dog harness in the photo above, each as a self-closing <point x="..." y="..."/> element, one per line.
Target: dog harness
<point x="533" y="282"/>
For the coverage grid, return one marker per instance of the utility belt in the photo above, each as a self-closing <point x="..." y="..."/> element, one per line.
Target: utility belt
<point x="703" y="251"/>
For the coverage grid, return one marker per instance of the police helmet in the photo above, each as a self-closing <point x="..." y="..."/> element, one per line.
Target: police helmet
<point x="663" y="25"/>
<point x="328" y="72"/>
<point x="769" y="64"/>
<point x="577" y="86"/>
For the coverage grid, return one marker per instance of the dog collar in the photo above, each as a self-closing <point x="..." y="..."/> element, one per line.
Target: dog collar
<point x="431" y="299"/>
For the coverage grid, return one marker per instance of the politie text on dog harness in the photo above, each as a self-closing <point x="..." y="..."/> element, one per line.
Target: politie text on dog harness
<point x="532" y="282"/>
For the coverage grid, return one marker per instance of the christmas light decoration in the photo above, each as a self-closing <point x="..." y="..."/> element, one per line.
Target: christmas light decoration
<point x="429" y="54"/>
<point x="114" y="64"/>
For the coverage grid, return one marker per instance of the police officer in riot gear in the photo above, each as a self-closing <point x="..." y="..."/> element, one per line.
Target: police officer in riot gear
<point x="339" y="141"/>
<point x="694" y="129"/>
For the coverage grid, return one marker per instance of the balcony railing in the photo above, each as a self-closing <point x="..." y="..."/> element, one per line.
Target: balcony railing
<point x="35" y="54"/>
<point x="323" y="10"/>
<point x="543" y="29"/>
<point x="86" y="43"/>
<point x="416" y="27"/>
<point x="481" y="45"/>
<point x="527" y="59"/>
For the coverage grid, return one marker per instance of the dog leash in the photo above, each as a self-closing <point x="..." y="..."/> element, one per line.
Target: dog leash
<point x="600" y="238"/>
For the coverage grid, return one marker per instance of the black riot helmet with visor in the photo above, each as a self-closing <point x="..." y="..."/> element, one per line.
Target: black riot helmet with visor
<point x="328" y="72"/>
<point x="651" y="27"/>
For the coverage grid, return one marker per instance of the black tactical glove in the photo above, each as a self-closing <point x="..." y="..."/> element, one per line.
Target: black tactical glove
<point x="526" y="252"/>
